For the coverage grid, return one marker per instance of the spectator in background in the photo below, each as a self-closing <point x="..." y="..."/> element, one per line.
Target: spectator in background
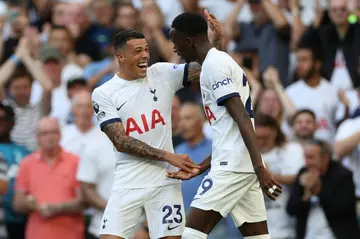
<point x="339" y="44"/>
<point x="127" y="17"/>
<point x="175" y="118"/>
<point x="74" y="86"/>
<point x="96" y="174"/>
<point x="323" y="197"/>
<point x="18" y="22"/>
<point x="52" y="63"/>
<point x="19" y="84"/>
<point x="81" y="29"/>
<point x="309" y="91"/>
<point x="47" y="189"/>
<point x="103" y="12"/>
<point x="13" y="154"/>
<point x="284" y="160"/>
<point x="60" y="38"/>
<point x="273" y="101"/>
<point x="347" y="150"/>
<point x="78" y="136"/>
<point x="304" y="126"/>
<point x="269" y="32"/>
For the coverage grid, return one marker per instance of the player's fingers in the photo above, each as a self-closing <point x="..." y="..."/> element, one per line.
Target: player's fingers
<point x="212" y="16"/>
<point x="278" y="187"/>
<point x="269" y="195"/>
<point x="276" y="193"/>
<point x="192" y="165"/>
<point x="186" y="168"/>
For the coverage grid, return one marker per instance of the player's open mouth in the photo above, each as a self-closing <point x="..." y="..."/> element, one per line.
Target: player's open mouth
<point x="142" y="66"/>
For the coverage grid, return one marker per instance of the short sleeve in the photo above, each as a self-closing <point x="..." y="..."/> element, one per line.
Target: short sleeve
<point x="22" y="180"/>
<point x="88" y="169"/>
<point x="223" y="84"/>
<point x="175" y="75"/>
<point x="104" y="109"/>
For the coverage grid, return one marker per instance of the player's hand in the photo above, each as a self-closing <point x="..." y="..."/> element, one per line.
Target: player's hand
<point x="268" y="184"/>
<point x="181" y="161"/>
<point x="181" y="174"/>
<point x="214" y="28"/>
<point x="48" y="210"/>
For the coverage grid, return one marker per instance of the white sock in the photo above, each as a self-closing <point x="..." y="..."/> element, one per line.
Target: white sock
<point x="190" y="233"/>
<point x="263" y="236"/>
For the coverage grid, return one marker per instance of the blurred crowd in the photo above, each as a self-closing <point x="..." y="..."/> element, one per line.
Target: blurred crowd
<point x="302" y="60"/>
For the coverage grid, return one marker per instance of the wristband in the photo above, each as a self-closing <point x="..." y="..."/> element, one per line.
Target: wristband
<point x="15" y="59"/>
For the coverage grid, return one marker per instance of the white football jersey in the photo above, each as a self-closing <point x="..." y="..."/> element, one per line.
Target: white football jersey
<point x="221" y="78"/>
<point x="144" y="108"/>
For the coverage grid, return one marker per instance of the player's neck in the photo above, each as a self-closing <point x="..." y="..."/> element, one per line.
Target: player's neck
<point x="313" y="80"/>
<point x="196" y="140"/>
<point x="202" y="51"/>
<point x="123" y="75"/>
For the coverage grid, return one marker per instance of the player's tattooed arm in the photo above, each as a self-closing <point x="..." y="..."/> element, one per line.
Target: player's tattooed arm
<point x="126" y="144"/>
<point x="194" y="72"/>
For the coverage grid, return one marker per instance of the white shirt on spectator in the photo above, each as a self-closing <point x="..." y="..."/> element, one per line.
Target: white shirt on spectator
<point x="322" y="100"/>
<point x="97" y="166"/>
<point x="75" y="141"/>
<point x="341" y="78"/>
<point x="26" y="119"/>
<point x="352" y="161"/>
<point x="70" y="71"/>
<point x="287" y="160"/>
<point x="60" y="103"/>
<point x="317" y="226"/>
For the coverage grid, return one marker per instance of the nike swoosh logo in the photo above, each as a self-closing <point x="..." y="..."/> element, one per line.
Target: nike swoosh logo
<point x="118" y="108"/>
<point x="172" y="228"/>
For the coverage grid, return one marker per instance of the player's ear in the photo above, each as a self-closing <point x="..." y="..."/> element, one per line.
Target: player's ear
<point x="189" y="41"/>
<point x="120" y="57"/>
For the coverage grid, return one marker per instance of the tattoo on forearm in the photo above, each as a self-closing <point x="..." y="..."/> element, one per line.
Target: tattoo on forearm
<point x="126" y="144"/>
<point x="194" y="72"/>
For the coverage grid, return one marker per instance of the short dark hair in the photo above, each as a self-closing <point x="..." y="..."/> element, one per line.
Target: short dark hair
<point x="191" y="24"/>
<point x="311" y="42"/>
<point x="268" y="121"/>
<point x="123" y="36"/>
<point x="303" y="111"/>
<point x="325" y="148"/>
<point x="19" y="72"/>
<point x="63" y="28"/>
<point x="76" y="81"/>
<point x="9" y="111"/>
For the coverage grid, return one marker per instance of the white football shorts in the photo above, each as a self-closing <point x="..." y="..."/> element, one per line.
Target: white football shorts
<point x="163" y="207"/>
<point x="232" y="192"/>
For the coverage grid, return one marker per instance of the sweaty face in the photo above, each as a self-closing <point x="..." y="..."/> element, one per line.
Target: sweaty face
<point x="304" y="126"/>
<point x="305" y="65"/>
<point x="134" y="58"/>
<point x="183" y="46"/>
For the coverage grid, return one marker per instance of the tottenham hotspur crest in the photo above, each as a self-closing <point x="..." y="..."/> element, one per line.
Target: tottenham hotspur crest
<point x="153" y="91"/>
